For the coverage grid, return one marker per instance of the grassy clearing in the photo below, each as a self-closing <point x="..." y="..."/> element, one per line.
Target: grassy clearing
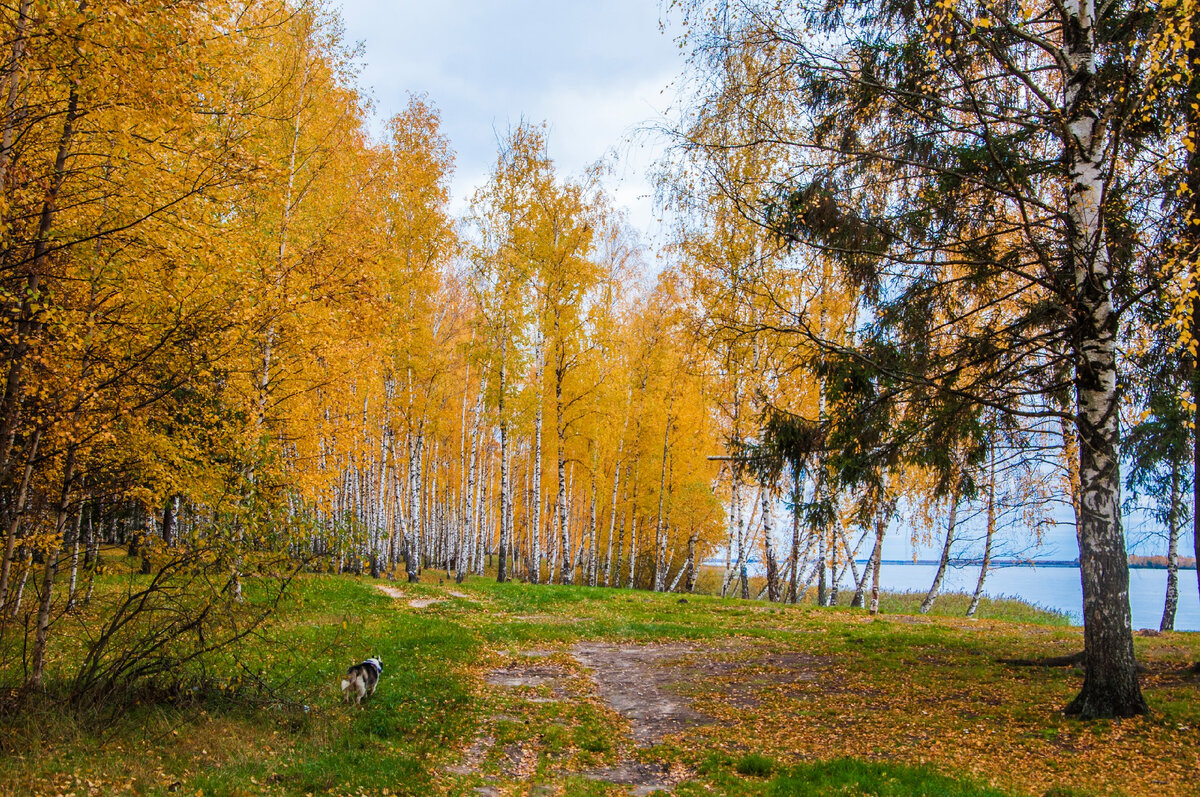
<point x="894" y="705"/>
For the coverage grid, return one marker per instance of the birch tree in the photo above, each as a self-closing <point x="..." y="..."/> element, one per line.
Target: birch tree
<point x="931" y="142"/>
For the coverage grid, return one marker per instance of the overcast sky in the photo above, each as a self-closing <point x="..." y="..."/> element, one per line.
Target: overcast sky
<point x="592" y="71"/>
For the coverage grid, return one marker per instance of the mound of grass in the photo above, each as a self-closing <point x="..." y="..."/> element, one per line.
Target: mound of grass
<point x="755" y="765"/>
<point x="848" y="776"/>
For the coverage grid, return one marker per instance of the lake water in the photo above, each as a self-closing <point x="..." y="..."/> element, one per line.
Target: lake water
<point x="1055" y="588"/>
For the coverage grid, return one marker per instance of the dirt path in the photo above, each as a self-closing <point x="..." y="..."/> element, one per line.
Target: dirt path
<point x="417" y="603"/>
<point x="639" y="683"/>
<point x="648" y="685"/>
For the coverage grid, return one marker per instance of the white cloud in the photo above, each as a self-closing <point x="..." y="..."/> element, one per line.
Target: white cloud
<point x="592" y="71"/>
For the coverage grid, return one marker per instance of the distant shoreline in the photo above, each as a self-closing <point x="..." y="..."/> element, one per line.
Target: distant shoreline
<point x="1189" y="565"/>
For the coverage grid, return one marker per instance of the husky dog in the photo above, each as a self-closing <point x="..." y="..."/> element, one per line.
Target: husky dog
<point x="361" y="680"/>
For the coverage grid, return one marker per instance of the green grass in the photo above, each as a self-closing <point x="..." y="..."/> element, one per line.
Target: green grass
<point x="755" y="765"/>
<point x="272" y="721"/>
<point x="955" y="604"/>
<point x="839" y="777"/>
<point x="283" y="701"/>
<point x="846" y="776"/>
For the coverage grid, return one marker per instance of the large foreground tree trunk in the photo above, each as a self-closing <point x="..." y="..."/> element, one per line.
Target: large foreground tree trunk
<point x="1110" y="683"/>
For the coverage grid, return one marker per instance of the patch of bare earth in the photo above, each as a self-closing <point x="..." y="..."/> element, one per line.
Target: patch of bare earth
<point x="416" y="603"/>
<point x="649" y="686"/>
<point x="642" y="778"/>
<point x="638" y="682"/>
<point x="540" y="681"/>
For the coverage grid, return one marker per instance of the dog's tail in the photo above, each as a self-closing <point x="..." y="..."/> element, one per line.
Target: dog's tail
<point x="345" y="684"/>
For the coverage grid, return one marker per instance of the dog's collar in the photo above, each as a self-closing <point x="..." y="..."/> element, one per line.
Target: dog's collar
<point x="376" y="663"/>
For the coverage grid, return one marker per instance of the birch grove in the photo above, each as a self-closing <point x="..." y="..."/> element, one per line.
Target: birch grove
<point x="913" y="255"/>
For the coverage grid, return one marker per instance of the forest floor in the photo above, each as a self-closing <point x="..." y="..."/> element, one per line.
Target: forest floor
<point x="505" y="689"/>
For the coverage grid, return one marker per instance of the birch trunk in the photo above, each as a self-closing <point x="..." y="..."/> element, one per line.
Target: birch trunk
<point x="991" y="534"/>
<point x="284" y="228"/>
<point x="849" y="564"/>
<point x="483" y="511"/>
<point x="612" y="521"/>
<point x="535" y="548"/>
<point x="592" y="568"/>
<point x="568" y="571"/>
<point x="834" y="576"/>
<point x="822" y="594"/>
<point x="62" y="517"/>
<point x="633" y="536"/>
<point x="936" y="588"/>
<point x="17" y="512"/>
<point x="692" y="570"/>
<point x="615" y="580"/>
<point x="554" y="544"/>
<point x="472" y="497"/>
<point x="882" y="519"/>
<point x="1110" y="682"/>
<point x="859" y="599"/>
<point x="460" y="520"/>
<point x="633" y="518"/>
<point x="769" y="552"/>
<point x="91" y="553"/>
<point x="731" y="536"/>
<point x="412" y="554"/>
<point x="13" y="76"/>
<point x="74" y="578"/>
<point x="170" y="520"/>
<point x="502" y="563"/>
<point x="93" y="539"/>
<point x="1171" y="601"/>
<point x="27" y="325"/>
<point x="26" y="567"/>
<point x="660" y="537"/>
<point x="794" y="558"/>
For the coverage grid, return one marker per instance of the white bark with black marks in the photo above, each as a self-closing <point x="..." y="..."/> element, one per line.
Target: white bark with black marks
<point x="1110" y="686"/>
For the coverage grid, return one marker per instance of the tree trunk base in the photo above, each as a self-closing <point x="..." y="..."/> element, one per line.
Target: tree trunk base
<point x="1107" y="702"/>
